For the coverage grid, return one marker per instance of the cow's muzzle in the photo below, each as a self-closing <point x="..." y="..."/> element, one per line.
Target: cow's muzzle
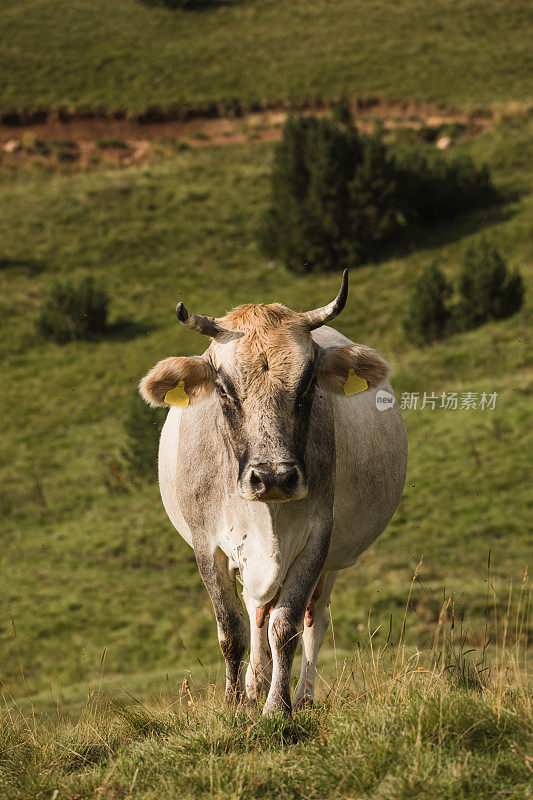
<point x="273" y="482"/>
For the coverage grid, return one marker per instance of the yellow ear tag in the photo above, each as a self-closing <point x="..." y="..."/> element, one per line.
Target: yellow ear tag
<point x="354" y="384"/>
<point x="177" y="396"/>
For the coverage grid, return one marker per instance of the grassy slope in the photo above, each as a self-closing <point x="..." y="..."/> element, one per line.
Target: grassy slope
<point x="124" y="54"/>
<point x="84" y="567"/>
<point x="418" y="735"/>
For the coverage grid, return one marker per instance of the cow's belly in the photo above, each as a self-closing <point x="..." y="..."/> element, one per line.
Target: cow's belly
<point x="371" y="463"/>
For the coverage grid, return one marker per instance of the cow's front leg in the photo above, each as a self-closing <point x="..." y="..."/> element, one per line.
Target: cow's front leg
<point x="233" y="630"/>
<point x="259" y="672"/>
<point x="286" y="621"/>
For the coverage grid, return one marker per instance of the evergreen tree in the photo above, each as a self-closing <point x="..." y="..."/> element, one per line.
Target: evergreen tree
<point x="338" y="197"/>
<point x="333" y="195"/>
<point x="428" y="313"/>
<point x="488" y="289"/>
<point x="74" y="311"/>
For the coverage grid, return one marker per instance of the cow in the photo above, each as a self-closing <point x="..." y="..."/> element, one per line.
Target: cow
<point x="277" y="474"/>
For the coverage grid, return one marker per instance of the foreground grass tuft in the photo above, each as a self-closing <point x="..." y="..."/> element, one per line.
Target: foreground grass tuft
<point x="391" y="729"/>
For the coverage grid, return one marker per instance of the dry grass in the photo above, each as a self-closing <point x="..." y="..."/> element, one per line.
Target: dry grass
<point x="393" y="722"/>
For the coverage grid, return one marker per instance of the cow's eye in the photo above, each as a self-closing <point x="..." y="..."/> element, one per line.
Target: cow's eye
<point x="222" y="393"/>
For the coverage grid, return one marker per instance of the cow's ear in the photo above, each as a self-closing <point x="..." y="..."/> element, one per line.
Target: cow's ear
<point x="194" y="376"/>
<point x="335" y="363"/>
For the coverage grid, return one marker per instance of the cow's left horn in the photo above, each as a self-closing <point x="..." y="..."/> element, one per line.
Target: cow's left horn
<point x="325" y="314"/>
<point x="208" y="326"/>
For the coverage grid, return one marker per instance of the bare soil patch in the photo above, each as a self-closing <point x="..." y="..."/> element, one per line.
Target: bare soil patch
<point x="90" y="140"/>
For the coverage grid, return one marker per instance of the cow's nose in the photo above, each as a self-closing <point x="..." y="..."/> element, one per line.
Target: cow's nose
<point x="276" y="484"/>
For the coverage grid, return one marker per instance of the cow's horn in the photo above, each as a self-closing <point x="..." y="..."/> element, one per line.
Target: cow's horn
<point x="208" y="326"/>
<point x="325" y="314"/>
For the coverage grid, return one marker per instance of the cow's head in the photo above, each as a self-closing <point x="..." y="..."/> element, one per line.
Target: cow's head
<point x="264" y="367"/>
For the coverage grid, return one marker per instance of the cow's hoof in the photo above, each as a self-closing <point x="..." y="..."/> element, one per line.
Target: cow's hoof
<point x="234" y="698"/>
<point x="303" y="703"/>
<point x="248" y="702"/>
<point x="258" y="681"/>
<point x="277" y="708"/>
<point x="257" y="690"/>
<point x="257" y="687"/>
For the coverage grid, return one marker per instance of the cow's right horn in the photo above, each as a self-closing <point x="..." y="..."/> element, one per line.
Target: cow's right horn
<point x="319" y="316"/>
<point x="208" y="326"/>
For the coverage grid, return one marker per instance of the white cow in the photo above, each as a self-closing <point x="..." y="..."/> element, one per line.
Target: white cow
<point x="276" y="474"/>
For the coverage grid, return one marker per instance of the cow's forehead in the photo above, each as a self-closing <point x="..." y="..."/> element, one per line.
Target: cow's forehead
<point x="275" y="347"/>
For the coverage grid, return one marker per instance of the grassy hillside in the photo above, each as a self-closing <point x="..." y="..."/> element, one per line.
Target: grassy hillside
<point x="391" y="729"/>
<point x="91" y="572"/>
<point x="126" y="54"/>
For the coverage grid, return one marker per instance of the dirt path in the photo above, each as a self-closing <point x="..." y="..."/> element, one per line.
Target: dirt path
<point x="93" y="139"/>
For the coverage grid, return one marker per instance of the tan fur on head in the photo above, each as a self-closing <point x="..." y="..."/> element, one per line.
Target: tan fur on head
<point x="196" y="373"/>
<point x="258" y="316"/>
<point x="274" y="343"/>
<point x="336" y="362"/>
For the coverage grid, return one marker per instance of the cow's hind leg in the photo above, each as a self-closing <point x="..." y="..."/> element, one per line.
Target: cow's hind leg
<point x="233" y="628"/>
<point x="259" y="672"/>
<point x="313" y="636"/>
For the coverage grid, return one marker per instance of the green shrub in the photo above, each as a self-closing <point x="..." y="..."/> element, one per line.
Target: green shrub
<point x="62" y="149"/>
<point x="333" y="196"/>
<point x="142" y="428"/>
<point x="488" y="289"/>
<point x="74" y="311"/>
<point x="374" y="211"/>
<point x="434" y="187"/>
<point x="338" y="196"/>
<point x="428" y="313"/>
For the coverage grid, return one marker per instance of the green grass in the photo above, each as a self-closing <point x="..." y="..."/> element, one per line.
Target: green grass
<point x="89" y="567"/>
<point x="124" y="54"/>
<point x="392" y="726"/>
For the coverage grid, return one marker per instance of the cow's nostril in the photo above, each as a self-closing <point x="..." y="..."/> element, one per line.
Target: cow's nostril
<point x="290" y="480"/>
<point x="257" y="483"/>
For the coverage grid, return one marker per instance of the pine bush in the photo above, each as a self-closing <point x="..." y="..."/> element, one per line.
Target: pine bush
<point x="429" y="313"/>
<point x="333" y="196"/>
<point x="488" y="289"/>
<point x="337" y="197"/>
<point x="74" y="311"/>
<point x="433" y="187"/>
